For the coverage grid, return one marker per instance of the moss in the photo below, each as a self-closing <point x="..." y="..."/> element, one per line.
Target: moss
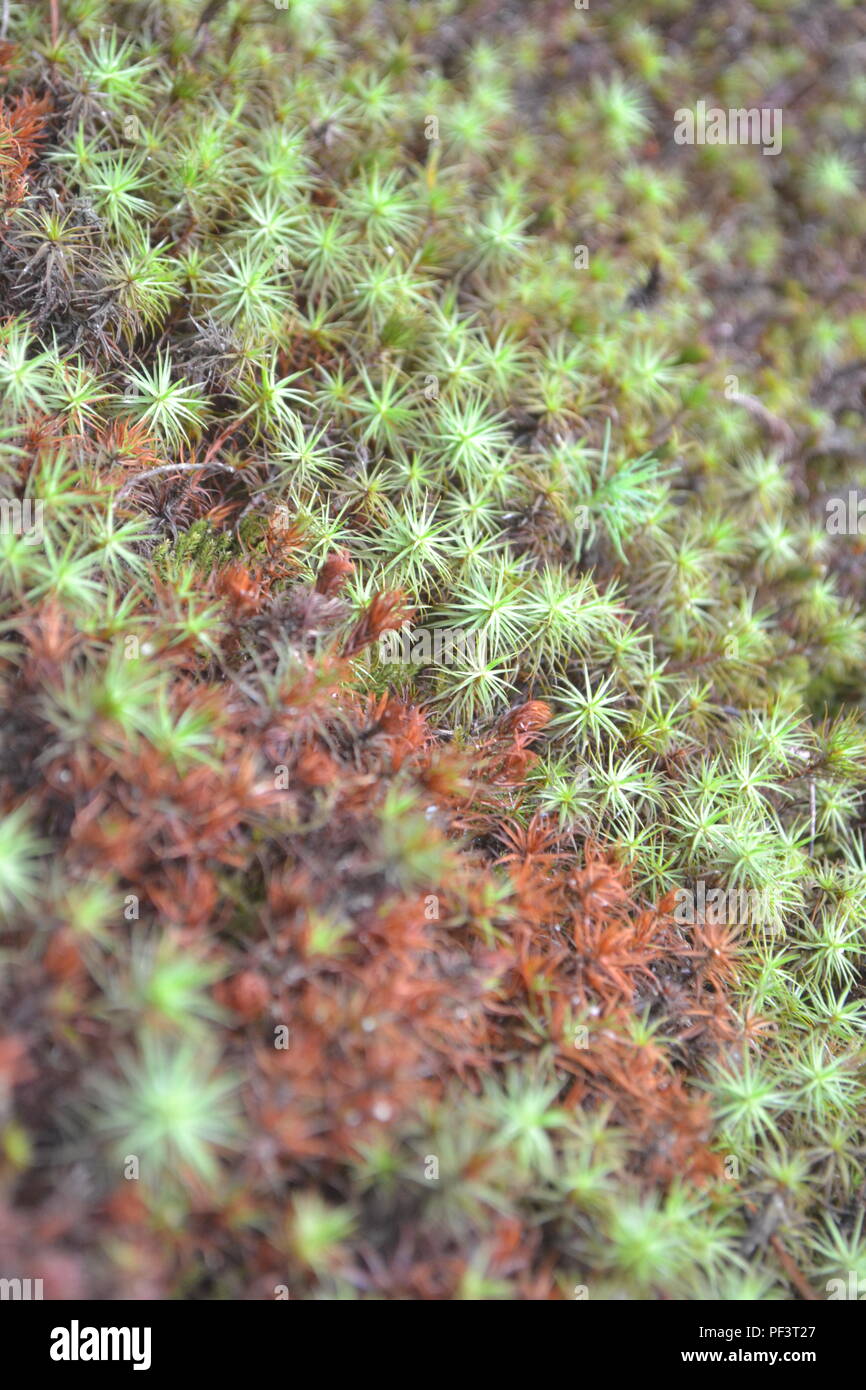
<point x="200" y="547"/>
<point x="336" y="319"/>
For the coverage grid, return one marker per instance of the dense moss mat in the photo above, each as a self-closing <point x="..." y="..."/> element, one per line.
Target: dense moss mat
<point x="432" y="756"/>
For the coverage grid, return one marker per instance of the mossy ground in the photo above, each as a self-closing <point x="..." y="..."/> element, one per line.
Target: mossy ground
<point x="356" y="977"/>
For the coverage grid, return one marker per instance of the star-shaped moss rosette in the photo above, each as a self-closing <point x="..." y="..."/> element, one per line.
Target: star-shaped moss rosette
<point x="433" y="753"/>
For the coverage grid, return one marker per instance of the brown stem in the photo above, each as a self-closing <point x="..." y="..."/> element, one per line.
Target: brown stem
<point x="793" y="1272"/>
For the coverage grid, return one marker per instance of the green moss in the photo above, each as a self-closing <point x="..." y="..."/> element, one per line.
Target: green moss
<point x="581" y="393"/>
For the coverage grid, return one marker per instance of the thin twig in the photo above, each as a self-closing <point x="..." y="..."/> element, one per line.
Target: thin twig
<point x="762" y="1231"/>
<point x="207" y="14"/>
<point x="4" y="22"/>
<point x="55" y="23"/>
<point x="174" y="468"/>
<point x="777" y="427"/>
<point x="224" y="435"/>
<point x="803" y="1289"/>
